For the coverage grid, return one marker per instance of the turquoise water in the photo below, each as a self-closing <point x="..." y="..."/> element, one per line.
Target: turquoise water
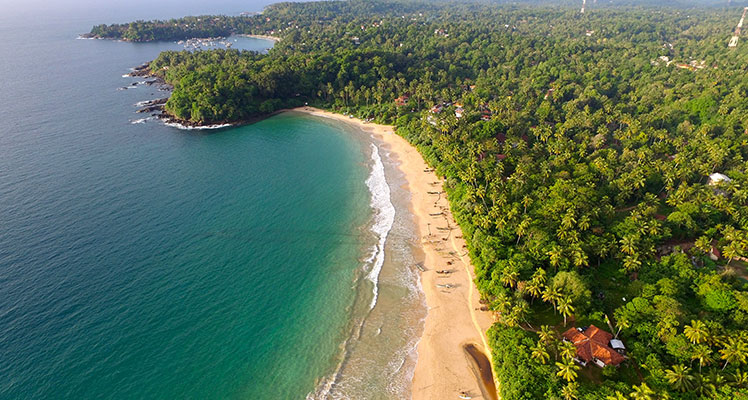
<point x="142" y="261"/>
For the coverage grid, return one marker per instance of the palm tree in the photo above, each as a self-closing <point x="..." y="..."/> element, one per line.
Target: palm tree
<point x="567" y="370"/>
<point x="568" y="220"/>
<point x="570" y="391"/>
<point x="715" y="379"/>
<point x="535" y="288"/>
<point x="521" y="309"/>
<point x="567" y="350"/>
<point x="702" y="353"/>
<point x="735" y="352"/>
<point x="509" y="277"/>
<point x="552" y="295"/>
<point x="510" y="318"/>
<point x="703" y="243"/>
<point x="539" y="276"/>
<point x="642" y="392"/>
<point x="617" y="396"/>
<point x="546" y="334"/>
<point x="740" y="379"/>
<point x="540" y="354"/>
<point x="622" y="322"/>
<point x="526" y="201"/>
<point x="555" y="254"/>
<point x="502" y="303"/>
<point x="579" y="257"/>
<point x="680" y="378"/>
<point x="730" y="251"/>
<point x="628" y="244"/>
<point x="696" y="332"/>
<point x="565" y="307"/>
<point x="522" y="228"/>
<point x="703" y="387"/>
<point x="584" y="223"/>
<point x="632" y="263"/>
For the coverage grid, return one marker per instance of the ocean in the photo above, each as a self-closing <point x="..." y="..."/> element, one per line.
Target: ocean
<point x="138" y="260"/>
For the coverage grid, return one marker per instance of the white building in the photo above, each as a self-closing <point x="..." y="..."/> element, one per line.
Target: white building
<point x="716" y="178"/>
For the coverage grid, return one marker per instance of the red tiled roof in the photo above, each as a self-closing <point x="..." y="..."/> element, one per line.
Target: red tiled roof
<point x="593" y="343"/>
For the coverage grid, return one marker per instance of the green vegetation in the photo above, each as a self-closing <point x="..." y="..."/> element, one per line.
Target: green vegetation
<point x="578" y="170"/>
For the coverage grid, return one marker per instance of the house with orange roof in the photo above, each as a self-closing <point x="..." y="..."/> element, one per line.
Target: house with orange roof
<point x="596" y="346"/>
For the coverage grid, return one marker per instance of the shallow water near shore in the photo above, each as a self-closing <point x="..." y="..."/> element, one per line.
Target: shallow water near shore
<point x="378" y="357"/>
<point x="142" y="261"/>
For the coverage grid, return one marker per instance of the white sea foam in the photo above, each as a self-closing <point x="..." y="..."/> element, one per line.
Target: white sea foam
<point x="193" y="128"/>
<point x="142" y="120"/>
<point x="145" y="103"/>
<point x="384" y="217"/>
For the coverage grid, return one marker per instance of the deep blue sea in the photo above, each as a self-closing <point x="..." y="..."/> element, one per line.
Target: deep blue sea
<point x="141" y="261"/>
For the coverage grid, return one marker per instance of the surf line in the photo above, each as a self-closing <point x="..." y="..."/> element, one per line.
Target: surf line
<point x="384" y="218"/>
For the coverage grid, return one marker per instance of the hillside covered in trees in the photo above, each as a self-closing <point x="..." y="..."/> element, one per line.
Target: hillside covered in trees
<point x="577" y="151"/>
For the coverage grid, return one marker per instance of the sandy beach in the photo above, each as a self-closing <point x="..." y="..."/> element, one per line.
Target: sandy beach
<point x="454" y="321"/>
<point x="266" y="37"/>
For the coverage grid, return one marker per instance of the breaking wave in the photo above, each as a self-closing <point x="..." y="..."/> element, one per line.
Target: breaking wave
<point x="384" y="217"/>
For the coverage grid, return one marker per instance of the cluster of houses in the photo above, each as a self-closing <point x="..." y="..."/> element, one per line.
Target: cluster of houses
<point x="459" y="110"/>
<point x="693" y="65"/>
<point x="441" y="32"/>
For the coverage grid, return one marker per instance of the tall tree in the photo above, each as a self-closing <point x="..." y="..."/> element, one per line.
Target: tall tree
<point x="565" y="307"/>
<point x="642" y="392"/>
<point x="567" y="369"/>
<point x="696" y="332"/>
<point x="540" y="354"/>
<point x="703" y="354"/>
<point x="735" y="351"/>
<point x="679" y="377"/>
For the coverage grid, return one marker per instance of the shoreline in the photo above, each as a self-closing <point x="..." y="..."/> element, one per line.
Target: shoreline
<point x="444" y="368"/>
<point x="265" y="37"/>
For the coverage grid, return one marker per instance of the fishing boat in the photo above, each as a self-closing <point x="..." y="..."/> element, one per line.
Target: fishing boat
<point x="421" y="267"/>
